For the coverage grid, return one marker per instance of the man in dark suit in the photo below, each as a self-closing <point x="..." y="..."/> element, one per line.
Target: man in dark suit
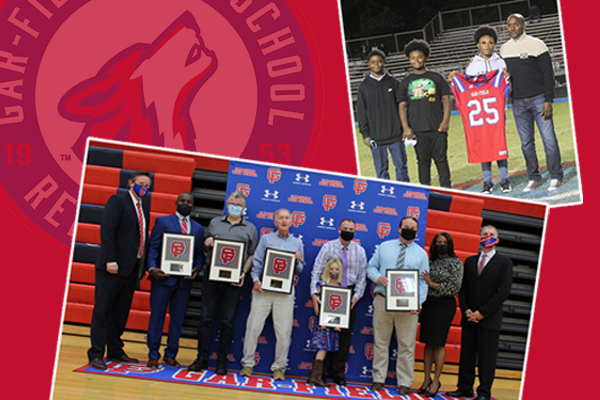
<point x="123" y="234"/>
<point x="171" y="291"/>
<point x="486" y="285"/>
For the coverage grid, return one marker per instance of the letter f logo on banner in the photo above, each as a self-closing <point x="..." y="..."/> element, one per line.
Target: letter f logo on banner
<point x="329" y="202"/>
<point x="273" y="174"/>
<point x="298" y="218"/>
<point x="383" y="229"/>
<point x="360" y="185"/>
<point x="243" y="188"/>
<point x="414" y="212"/>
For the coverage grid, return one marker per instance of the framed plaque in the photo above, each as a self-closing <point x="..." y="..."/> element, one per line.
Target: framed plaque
<point x="177" y="254"/>
<point x="278" y="271"/>
<point x="227" y="261"/>
<point x="402" y="291"/>
<point x="335" y="307"/>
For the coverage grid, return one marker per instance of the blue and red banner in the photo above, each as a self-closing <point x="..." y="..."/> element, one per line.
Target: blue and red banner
<point x="319" y="202"/>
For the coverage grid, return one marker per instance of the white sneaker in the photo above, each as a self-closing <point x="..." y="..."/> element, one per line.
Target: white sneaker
<point x="532" y="185"/>
<point x="554" y="185"/>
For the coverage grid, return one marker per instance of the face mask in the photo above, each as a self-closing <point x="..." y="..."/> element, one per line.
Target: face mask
<point x="234" y="211"/>
<point x="488" y="241"/>
<point x="334" y="274"/>
<point x="408" y="234"/>
<point x="184" y="209"/>
<point x="140" y="190"/>
<point x="441" y="248"/>
<point x="347" y="235"/>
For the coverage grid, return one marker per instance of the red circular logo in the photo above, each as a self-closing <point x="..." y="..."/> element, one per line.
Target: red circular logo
<point x="232" y="78"/>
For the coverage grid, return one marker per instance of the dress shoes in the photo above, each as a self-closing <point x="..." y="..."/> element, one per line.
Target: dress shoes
<point x="152" y="363"/>
<point x="198" y="365"/>
<point x="341" y="381"/>
<point x="171" y="362"/>
<point x="433" y="394"/>
<point x="376" y="386"/>
<point x="404" y="390"/>
<point x="221" y="368"/>
<point x="98" y="363"/>
<point x="460" y="393"/>
<point x="124" y="359"/>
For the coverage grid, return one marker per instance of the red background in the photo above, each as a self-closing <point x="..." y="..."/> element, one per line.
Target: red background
<point x="561" y="356"/>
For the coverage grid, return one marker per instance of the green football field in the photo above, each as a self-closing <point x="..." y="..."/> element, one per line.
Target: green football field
<point x="461" y="171"/>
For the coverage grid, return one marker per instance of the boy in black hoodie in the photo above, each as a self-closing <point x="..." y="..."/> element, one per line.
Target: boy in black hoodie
<point x="379" y="119"/>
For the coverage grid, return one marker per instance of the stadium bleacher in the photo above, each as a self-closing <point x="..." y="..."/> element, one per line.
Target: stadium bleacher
<point x="451" y="51"/>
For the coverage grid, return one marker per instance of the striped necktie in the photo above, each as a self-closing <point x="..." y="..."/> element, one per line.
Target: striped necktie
<point x="401" y="254"/>
<point x="141" y="226"/>
<point x="184" y="228"/>
<point x="344" y="282"/>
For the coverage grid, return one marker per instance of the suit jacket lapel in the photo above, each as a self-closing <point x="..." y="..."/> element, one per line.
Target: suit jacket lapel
<point x="491" y="263"/>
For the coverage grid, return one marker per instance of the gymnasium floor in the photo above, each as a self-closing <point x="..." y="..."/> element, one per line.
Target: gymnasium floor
<point x="71" y="385"/>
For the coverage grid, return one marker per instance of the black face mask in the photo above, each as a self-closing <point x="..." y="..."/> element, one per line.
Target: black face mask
<point x="347" y="235"/>
<point x="408" y="234"/>
<point x="441" y="249"/>
<point x="184" y="209"/>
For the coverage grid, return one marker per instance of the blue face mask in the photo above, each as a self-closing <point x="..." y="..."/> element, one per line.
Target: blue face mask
<point x="234" y="211"/>
<point x="140" y="190"/>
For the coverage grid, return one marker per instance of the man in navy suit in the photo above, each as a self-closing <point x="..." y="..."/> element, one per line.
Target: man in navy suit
<point x="486" y="285"/>
<point x="171" y="291"/>
<point x="123" y="234"/>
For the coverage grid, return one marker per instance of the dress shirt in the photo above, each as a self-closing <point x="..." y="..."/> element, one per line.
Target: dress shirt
<point x="385" y="258"/>
<point x="357" y="265"/>
<point x="488" y="257"/>
<point x="187" y="221"/>
<point x="135" y="202"/>
<point x="274" y="240"/>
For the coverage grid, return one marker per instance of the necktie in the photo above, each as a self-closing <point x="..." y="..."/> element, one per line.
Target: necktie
<point x="141" y="226"/>
<point x="344" y="282"/>
<point x="401" y="254"/>
<point x="184" y="226"/>
<point x="481" y="264"/>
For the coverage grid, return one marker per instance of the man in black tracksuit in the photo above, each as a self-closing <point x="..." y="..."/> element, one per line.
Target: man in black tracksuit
<point x="379" y="119"/>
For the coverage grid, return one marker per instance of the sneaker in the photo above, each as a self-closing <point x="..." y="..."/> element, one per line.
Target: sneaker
<point x="246" y="371"/>
<point x="505" y="184"/>
<point x="532" y="185"/>
<point x="554" y="185"/>
<point x="278" y="375"/>
<point x="488" y="187"/>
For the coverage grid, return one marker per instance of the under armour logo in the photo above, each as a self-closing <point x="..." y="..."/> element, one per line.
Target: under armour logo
<point x="357" y="205"/>
<point x="326" y="221"/>
<point x="274" y="194"/>
<point x="304" y="178"/>
<point x="387" y="189"/>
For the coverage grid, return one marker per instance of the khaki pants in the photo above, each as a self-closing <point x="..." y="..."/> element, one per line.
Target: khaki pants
<point x="406" y="334"/>
<point x="282" y="306"/>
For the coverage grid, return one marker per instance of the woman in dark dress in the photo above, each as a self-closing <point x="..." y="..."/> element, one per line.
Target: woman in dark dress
<point x="444" y="280"/>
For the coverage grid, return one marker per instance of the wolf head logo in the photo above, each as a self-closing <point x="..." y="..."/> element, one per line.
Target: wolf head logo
<point x="143" y="94"/>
